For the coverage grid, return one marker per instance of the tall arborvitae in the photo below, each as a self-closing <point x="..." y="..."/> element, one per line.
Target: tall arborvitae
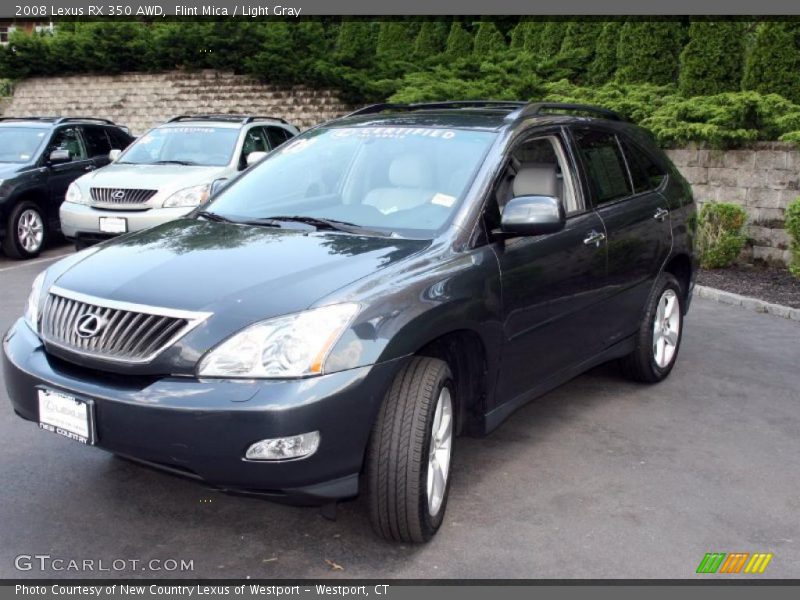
<point x="648" y="51"/>
<point x="488" y="39"/>
<point x="774" y="62"/>
<point x="459" y="41"/>
<point x="711" y="63"/>
<point x="604" y="65"/>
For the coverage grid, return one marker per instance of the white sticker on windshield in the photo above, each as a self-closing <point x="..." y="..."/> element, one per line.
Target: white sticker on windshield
<point x="24" y="156"/>
<point x="443" y="199"/>
<point x="298" y="146"/>
<point x="395" y="132"/>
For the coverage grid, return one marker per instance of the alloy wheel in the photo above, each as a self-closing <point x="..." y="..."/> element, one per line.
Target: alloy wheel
<point x="30" y="230"/>
<point x="440" y="451"/>
<point x="666" y="328"/>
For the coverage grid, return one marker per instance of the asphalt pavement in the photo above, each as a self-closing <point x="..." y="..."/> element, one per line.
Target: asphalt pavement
<point x="601" y="478"/>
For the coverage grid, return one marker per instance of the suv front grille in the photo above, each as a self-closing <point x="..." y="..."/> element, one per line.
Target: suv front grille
<point x="121" y="195"/>
<point x="115" y="331"/>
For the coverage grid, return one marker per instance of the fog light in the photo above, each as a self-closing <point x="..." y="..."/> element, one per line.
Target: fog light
<point x="285" y="448"/>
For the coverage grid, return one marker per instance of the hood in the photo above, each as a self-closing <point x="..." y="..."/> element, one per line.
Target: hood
<point x="240" y="273"/>
<point x="9" y="170"/>
<point x="165" y="178"/>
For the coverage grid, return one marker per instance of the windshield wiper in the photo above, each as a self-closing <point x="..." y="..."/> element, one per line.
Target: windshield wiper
<point x="186" y="163"/>
<point x="327" y="224"/>
<point x="215" y="217"/>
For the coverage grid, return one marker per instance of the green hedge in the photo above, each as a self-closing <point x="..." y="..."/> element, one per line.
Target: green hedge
<point x="720" y="234"/>
<point x="681" y="78"/>
<point x="793" y="229"/>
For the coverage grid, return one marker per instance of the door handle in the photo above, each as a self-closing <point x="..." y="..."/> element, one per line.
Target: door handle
<point x="594" y="238"/>
<point x="661" y="214"/>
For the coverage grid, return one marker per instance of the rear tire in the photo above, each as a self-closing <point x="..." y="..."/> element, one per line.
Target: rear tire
<point x="410" y="451"/>
<point x="659" y="337"/>
<point x="26" y="231"/>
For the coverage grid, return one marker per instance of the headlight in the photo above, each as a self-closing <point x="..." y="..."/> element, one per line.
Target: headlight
<point x="74" y="195"/>
<point x="290" y="346"/>
<point x="192" y="196"/>
<point x="32" y="307"/>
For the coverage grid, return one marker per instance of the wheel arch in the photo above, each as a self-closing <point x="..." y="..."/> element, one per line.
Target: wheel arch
<point x="680" y="266"/>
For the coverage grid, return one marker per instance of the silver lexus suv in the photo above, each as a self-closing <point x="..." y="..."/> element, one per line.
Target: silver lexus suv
<point x="166" y="173"/>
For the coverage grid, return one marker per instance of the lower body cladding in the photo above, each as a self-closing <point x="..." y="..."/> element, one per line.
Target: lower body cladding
<point x="82" y="222"/>
<point x="203" y="428"/>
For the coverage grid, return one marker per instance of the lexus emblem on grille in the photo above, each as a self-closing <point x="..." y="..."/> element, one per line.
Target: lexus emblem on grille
<point x="118" y="195"/>
<point x="89" y="325"/>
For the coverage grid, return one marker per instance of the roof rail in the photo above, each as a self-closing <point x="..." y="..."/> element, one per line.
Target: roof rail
<point x="30" y="118"/>
<point x="245" y="119"/>
<point x="377" y="108"/>
<point x="540" y="108"/>
<point x="96" y="119"/>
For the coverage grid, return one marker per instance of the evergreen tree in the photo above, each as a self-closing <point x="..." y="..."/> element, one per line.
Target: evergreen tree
<point x="431" y="39"/>
<point x="533" y="36"/>
<point x="488" y="40"/>
<point x="551" y="38"/>
<point x="774" y="62"/>
<point x="459" y="41"/>
<point x="395" y="40"/>
<point x="648" y="51"/>
<point x="578" y="46"/>
<point x="604" y="65"/>
<point x="711" y="63"/>
<point x="355" y="46"/>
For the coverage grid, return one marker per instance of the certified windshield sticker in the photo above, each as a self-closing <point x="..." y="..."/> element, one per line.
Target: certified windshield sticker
<point x="395" y="132"/>
<point x="188" y="130"/>
<point x="299" y="145"/>
<point x="443" y="200"/>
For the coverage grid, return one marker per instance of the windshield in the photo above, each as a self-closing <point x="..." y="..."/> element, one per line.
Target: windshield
<point x="190" y="145"/>
<point x="19" y="144"/>
<point x="404" y="180"/>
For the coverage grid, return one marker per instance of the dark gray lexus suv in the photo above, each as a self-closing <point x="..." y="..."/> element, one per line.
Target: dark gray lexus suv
<point x="335" y="317"/>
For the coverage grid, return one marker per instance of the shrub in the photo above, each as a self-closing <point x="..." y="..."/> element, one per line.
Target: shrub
<point x="550" y="38"/>
<point x="648" y="51"/>
<point x="720" y="236"/>
<point x="395" y="40"/>
<point x="711" y="63"/>
<point x="773" y="65"/>
<point x="578" y="45"/>
<point x="793" y="229"/>
<point x="431" y="39"/>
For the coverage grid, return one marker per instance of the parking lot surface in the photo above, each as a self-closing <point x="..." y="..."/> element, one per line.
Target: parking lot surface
<point x="601" y="478"/>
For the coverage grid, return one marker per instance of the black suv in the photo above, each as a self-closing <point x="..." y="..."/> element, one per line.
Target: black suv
<point x="39" y="158"/>
<point x="332" y="319"/>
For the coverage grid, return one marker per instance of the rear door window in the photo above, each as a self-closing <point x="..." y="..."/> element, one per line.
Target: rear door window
<point x="605" y="165"/>
<point x="68" y="138"/>
<point x="276" y="136"/>
<point x="119" y="140"/>
<point x="646" y="173"/>
<point x="97" y="142"/>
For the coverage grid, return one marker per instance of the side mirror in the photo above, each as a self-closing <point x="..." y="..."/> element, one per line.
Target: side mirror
<point x="216" y="186"/>
<point x="533" y="215"/>
<point x="60" y="156"/>
<point x="114" y="154"/>
<point x="254" y="157"/>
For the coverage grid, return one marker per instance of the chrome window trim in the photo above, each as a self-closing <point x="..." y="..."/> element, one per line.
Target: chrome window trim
<point x="193" y="318"/>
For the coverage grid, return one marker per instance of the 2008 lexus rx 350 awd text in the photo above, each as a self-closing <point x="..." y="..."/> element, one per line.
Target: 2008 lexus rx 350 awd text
<point x="331" y="320"/>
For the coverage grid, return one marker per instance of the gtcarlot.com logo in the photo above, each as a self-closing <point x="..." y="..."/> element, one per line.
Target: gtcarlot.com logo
<point x="46" y="562"/>
<point x="734" y="562"/>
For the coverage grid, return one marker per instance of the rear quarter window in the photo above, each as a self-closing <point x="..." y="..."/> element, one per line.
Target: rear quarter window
<point x="605" y="165"/>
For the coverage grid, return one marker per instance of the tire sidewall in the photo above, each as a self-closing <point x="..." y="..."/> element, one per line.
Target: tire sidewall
<point x="430" y="524"/>
<point x="667" y="282"/>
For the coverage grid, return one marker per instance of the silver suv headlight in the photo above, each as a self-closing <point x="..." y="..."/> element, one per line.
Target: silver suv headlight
<point x="74" y="195"/>
<point x="284" y="347"/>
<point x="32" y="306"/>
<point x="188" y="197"/>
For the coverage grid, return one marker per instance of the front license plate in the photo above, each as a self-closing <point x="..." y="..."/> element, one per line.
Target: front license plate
<point x="66" y="415"/>
<point x="113" y="224"/>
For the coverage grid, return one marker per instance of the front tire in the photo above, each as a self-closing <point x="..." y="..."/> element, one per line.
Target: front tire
<point x="26" y="231"/>
<point x="659" y="337"/>
<point x="410" y="452"/>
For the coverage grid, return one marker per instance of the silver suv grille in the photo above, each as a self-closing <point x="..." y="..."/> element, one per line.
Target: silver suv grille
<point x="121" y="195"/>
<point x="115" y="331"/>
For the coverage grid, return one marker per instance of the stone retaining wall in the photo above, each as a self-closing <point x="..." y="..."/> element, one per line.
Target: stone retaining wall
<point x="141" y="100"/>
<point x="763" y="178"/>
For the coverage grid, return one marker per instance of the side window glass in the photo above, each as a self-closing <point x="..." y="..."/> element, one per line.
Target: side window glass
<point x="254" y="142"/>
<point x="97" y="143"/>
<point x="68" y="139"/>
<point x="119" y="140"/>
<point x="276" y="135"/>
<point x="608" y="175"/>
<point x="645" y="171"/>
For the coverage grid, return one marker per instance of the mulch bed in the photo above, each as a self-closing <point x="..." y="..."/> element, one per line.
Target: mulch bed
<point x="770" y="284"/>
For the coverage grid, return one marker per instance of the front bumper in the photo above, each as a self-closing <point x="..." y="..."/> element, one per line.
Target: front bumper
<point x="202" y="428"/>
<point x="81" y="221"/>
